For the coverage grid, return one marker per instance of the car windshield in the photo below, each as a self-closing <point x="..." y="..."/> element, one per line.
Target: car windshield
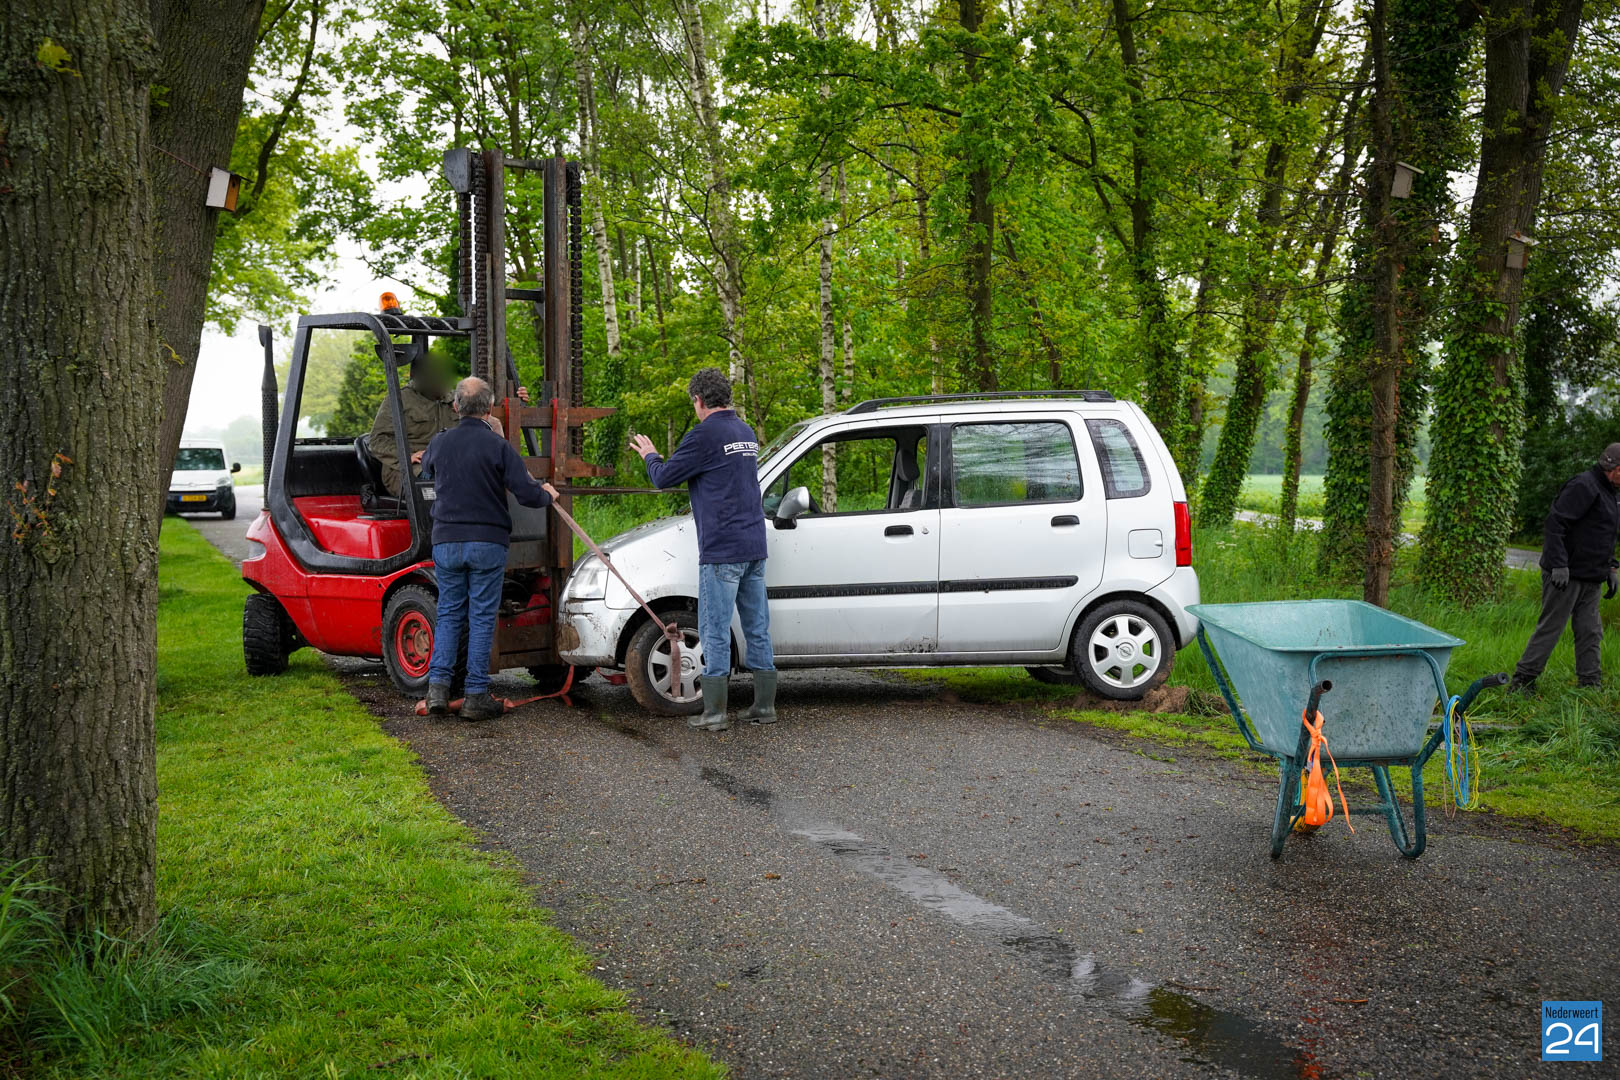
<point x="787" y="435"/>
<point x="198" y="458"/>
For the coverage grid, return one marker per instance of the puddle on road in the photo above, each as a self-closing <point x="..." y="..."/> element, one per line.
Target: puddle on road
<point x="1213" y="1036"/>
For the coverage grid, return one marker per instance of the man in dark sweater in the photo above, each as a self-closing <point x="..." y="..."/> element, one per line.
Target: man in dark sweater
<point x="719" y="462"/>
<point x="472" y="469"/>
<point x="1577" y="558"/>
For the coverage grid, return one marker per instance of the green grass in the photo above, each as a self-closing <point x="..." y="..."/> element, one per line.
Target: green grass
<point x="1554" y="756"/>
<point x="377" y="940"/>
<point x="250" y="474"/>
<point x="1263" y="492"/>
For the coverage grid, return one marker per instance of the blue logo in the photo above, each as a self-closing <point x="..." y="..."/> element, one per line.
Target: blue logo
<point x="1572" y="1031"/>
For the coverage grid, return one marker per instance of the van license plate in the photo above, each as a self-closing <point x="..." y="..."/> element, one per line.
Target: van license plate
<point x="193" y="498"/>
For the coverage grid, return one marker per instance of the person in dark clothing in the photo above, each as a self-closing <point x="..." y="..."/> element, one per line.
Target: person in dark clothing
<point x="1577" y="558"/>
<point x="472" y="469"/>
<point x="719" y="462"/>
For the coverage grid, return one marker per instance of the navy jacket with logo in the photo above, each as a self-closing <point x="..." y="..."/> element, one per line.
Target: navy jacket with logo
<point x="719" y="463"/>
<point x="472" y="469"/>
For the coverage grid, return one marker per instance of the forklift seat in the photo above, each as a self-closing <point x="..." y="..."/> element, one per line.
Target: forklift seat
<point x="372" y="488"/>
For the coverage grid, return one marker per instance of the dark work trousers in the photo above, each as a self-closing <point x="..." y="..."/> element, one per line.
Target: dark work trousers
<point x="1575" y="603"/>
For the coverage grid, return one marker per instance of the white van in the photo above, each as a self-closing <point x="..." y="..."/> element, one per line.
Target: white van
<point x="1047" y="530"/>
<point x="201" y="481"/>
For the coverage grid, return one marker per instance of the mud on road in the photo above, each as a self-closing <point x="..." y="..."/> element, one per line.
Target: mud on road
<point x="894" y="884"/>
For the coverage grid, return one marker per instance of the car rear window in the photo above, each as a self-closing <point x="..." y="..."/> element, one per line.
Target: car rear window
<point x="1125" y="474"/>
<point x="1006" y="464"/>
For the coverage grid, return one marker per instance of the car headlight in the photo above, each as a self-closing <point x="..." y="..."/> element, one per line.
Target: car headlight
<point x="224" y="481"/>
<point x="589" y="581"/>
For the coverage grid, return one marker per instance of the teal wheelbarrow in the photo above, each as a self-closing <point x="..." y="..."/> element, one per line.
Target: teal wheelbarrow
<point x="1275" y="661"/>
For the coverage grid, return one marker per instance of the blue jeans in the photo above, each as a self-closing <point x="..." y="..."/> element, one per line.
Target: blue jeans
<point x="470" y="576"/>
<point x="723" y="587"/>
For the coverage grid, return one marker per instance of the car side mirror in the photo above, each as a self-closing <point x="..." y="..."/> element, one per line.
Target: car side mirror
<point x="236" y="466"/>
<point x="793" y="505"/>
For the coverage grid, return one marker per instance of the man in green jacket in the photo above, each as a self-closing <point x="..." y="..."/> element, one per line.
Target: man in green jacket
<point x="425" y="405"/>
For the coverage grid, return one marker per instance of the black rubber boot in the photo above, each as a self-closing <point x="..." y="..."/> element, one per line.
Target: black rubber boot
<point x="438" y="701"/>
<point x="714" y="707"/>
<point x="1523" y="687"/>
<point x="763" y="710"/>
<point x="481" y="707"/>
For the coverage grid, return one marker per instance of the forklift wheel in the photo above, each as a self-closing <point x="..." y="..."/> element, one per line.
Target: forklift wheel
<point x="407" y="638"/>
<point x="550" y="677"/>
<point x="266" y="635"/>
<point x="646" y="666"/>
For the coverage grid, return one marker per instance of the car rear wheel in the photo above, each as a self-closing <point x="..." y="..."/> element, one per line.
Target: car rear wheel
<point x="267" y="635"/>
<point x="1122" y="650"/>
<point x="1055" y="676"/>
<point x="647" y="667"/>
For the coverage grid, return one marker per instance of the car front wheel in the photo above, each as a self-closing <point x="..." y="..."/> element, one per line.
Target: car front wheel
<point x="1122" y="650"/>
<point x="652" y="677"/>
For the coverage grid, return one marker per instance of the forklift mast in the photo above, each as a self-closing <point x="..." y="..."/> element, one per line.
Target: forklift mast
<point x="548" y="431"/>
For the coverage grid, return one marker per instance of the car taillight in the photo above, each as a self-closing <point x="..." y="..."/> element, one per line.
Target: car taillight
<point x="1183" y="535"/>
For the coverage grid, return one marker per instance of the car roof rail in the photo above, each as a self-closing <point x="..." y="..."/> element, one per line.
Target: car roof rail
<point x="874" y="404"/>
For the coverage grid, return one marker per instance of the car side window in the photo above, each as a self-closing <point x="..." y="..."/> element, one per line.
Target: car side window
<point x="873" y="471"/>
<point x="1124" y="471"/>
<point x="1007" y="464"/>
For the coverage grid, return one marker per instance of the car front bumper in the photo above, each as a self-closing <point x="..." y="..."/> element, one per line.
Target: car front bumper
<point x="204" y="501"/>
<point x="589" y="632"/>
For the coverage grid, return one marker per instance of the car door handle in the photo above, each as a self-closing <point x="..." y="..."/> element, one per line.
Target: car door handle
<point x="1065" y="519"/>
<point x="897" y="530"/>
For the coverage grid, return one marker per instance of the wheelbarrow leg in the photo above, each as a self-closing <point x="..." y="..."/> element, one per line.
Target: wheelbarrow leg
<point x="1282" y="823"/>
<point x="1404" y="841"/>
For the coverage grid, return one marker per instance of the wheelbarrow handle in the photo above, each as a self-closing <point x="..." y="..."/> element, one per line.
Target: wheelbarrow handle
<point x="1316" y="696"/>
<point x="1468" y="695"/>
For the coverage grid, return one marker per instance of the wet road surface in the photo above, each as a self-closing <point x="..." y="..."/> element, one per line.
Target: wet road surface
<point x="890" y="883"/>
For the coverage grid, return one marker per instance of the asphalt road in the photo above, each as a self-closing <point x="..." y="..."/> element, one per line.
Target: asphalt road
<point x="231" y="536"/>
<point x="891" y="883"/>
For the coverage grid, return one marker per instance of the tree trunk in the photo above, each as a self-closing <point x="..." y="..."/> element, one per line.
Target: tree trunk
<point x="980" y="369"/>
<point x="1162" y="395"/>
<point x="829" y="354"/>
<point x="1253" y="374"/>
<point x="1474" y="470"/>
<point x="193" y="131"/>
<point x="579" y="38"/>
<point x="1384" y="363"/>
<point x="721" y="226"/>
<point x="80" y="403"/>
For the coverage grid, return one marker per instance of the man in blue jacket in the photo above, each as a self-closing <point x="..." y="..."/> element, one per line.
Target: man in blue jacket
<point x="1577" y="559"/>
<point x="719" y="462"/>
<point x="472" y="468"/>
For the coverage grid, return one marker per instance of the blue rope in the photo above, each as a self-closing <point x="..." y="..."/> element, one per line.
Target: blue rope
<point x="1460" y="754"/>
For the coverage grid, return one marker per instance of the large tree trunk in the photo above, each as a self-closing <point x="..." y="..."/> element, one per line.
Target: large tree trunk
<point x="193" y="130"/>
<point x="1474" y="470"/>
<point x="80" y="396"/>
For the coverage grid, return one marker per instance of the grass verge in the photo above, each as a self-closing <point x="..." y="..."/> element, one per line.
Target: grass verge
<point x="1554" y="756"/>
<point x="379" y="942"/>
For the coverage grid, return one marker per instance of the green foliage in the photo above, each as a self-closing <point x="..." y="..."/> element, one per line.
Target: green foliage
<point x="357" y="929"/>
<point x="1554" y="451"/>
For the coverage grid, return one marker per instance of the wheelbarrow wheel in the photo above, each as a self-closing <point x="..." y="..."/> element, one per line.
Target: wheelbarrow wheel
<point x="1122" y="650"/>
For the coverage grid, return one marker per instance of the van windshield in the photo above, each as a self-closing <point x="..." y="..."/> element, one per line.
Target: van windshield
<point x="199" y="458"/>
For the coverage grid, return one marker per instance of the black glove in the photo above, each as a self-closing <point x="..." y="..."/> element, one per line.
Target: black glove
<point x="1614" y="584"/>
<point x="1560" y="577"/>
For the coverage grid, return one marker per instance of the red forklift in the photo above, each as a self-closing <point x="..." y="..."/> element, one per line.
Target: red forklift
<point x="346" y="566"/>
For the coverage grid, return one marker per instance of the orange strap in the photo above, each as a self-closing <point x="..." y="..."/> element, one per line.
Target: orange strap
<point x="1313" y="760"/>
<point x="508" y="704"/>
